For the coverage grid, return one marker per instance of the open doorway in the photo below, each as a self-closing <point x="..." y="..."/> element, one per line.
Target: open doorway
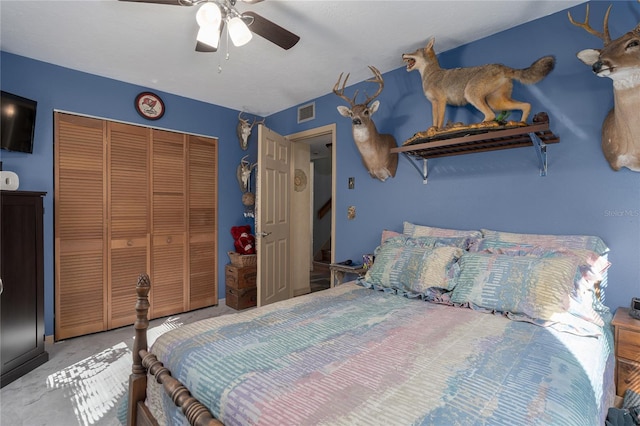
<point x="321" y="142"/>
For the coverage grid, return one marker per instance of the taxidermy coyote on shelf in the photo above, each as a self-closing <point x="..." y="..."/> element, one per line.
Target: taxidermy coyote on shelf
<point x="486" y="87"/>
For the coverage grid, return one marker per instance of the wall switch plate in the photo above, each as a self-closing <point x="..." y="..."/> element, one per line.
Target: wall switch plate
<point x="352" y="182"/>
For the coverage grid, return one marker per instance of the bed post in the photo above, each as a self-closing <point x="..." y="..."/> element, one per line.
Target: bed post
<point x="138" y="377"/>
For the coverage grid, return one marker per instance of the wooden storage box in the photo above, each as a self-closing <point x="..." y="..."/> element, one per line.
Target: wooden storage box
<point x="240" y="277"/>
<point x="241" y="299"/>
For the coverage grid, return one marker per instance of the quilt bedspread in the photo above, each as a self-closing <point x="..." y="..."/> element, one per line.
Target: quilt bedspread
<point x="356" y="356"/>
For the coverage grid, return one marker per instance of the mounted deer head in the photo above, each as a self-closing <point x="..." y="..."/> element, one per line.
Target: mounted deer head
<point x="243" y="130"/>
<point x="374" y="148"/>
<point x="243" y="173"/>
<point x="619" y="60"/>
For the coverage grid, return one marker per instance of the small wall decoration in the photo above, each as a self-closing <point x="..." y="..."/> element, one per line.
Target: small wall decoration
<point x="486" y="87"/>
<point x="351" y="212"/>
<point x="299" y="180"/>
<point x="149" y="105"/>
<point x="248" y="199"/>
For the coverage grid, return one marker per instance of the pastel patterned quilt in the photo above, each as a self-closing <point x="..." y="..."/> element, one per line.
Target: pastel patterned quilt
<point x="356" y="356"/>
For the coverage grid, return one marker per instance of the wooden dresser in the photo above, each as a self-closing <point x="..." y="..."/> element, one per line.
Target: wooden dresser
<point x="22" y="291"/>
<point x="627" y="344"/>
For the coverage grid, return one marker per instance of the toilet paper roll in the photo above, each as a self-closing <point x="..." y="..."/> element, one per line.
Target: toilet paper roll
<point x="9" y="181"/>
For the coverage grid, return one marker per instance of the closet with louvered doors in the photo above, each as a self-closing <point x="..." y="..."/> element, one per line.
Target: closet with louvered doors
<point x="130" y="199"/>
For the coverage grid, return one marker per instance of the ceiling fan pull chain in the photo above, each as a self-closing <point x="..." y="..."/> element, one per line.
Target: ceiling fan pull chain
<point x="226" y="39"/>
<point x="226" y="56"/>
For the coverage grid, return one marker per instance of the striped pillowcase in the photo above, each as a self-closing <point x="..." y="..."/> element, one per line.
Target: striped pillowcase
<point x="414" y="230"/>
<point x="588" y="242"/>
<point x="539" y="288"/>
<point x="412" y="269"/>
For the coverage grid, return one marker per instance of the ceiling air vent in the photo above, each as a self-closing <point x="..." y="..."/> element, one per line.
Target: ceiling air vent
<point x="306" y="112"/>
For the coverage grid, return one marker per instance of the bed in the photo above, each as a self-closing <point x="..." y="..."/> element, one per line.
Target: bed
<point x="448" y="327"/>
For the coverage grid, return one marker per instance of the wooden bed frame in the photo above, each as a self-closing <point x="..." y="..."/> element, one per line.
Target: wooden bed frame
<point x="143" y="361"/>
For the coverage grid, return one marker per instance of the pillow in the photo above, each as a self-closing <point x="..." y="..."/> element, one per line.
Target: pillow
<point x="386" y="234"/>
<point x="538" y="287"/>
<point x="588" y="291"/>
<point x="412" y="269"/>
<point x="588" y="242"/>
<point x="405" y="240"/>
<point x="592" y="266"/>
<point x="414" y="230"/>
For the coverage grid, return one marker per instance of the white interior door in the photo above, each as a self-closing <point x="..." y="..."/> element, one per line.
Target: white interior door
<point x="273" y="187"/>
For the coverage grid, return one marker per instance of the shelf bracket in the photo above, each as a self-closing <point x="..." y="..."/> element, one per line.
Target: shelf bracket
<point x="424" y="172"/>
<point x="541" y="151"/>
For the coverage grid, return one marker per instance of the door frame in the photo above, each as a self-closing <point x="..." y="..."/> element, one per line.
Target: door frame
<point x="300" y="137"/>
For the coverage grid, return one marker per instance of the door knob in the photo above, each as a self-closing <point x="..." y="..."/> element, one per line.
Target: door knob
<point x="262" y="234"/>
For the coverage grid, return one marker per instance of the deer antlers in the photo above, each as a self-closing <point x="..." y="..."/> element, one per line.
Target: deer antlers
<point x="245" y="121"/>
<point x="376" y="79"/>
<point x="604" y="36"/>
<point x="243" y="130"/>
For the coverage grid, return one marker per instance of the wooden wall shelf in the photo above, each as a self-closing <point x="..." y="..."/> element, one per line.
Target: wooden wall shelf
<point x="537" y="135"/>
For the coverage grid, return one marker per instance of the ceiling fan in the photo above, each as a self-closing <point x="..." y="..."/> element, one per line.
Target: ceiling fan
<point x="214" y="14"/>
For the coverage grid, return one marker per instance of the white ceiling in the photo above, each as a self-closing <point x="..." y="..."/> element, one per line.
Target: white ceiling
<point x="153" y="45"/>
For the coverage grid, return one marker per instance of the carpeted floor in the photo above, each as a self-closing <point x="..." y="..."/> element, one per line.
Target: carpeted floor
<point x="86" y="376"/>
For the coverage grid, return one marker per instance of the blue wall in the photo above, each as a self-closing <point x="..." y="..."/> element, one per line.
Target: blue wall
<point x="58" y="88"/>
<point x="497" y="190"/>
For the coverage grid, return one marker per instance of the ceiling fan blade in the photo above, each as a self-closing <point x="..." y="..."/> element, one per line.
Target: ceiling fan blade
<point x="272" y="31"/>
<point x="252" y="1"/>
<point x="204" y="47"/>
<point x="170" y="2"/>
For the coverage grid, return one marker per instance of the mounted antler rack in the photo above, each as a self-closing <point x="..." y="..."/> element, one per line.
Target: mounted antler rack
<point x="471" y="140"/>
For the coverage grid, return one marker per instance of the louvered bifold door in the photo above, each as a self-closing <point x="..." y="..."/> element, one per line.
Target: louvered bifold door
<point x="203" y="196"/>
<point x="128" y="164"/>
<point x="80" y="231"/>
<point x="168" y="224"/>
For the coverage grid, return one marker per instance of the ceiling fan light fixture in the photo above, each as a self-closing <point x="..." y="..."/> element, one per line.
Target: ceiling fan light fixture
<point x="238" y="31"/>
<point x="209" y="14"/>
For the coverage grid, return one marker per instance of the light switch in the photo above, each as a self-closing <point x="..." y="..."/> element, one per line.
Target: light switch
<point x="352" y="182"/>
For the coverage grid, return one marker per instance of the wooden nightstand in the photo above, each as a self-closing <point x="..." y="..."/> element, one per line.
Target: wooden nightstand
<point x="627" y="344"/>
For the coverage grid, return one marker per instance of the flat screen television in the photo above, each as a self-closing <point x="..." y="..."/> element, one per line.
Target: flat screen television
<point x="18" y="122"/>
